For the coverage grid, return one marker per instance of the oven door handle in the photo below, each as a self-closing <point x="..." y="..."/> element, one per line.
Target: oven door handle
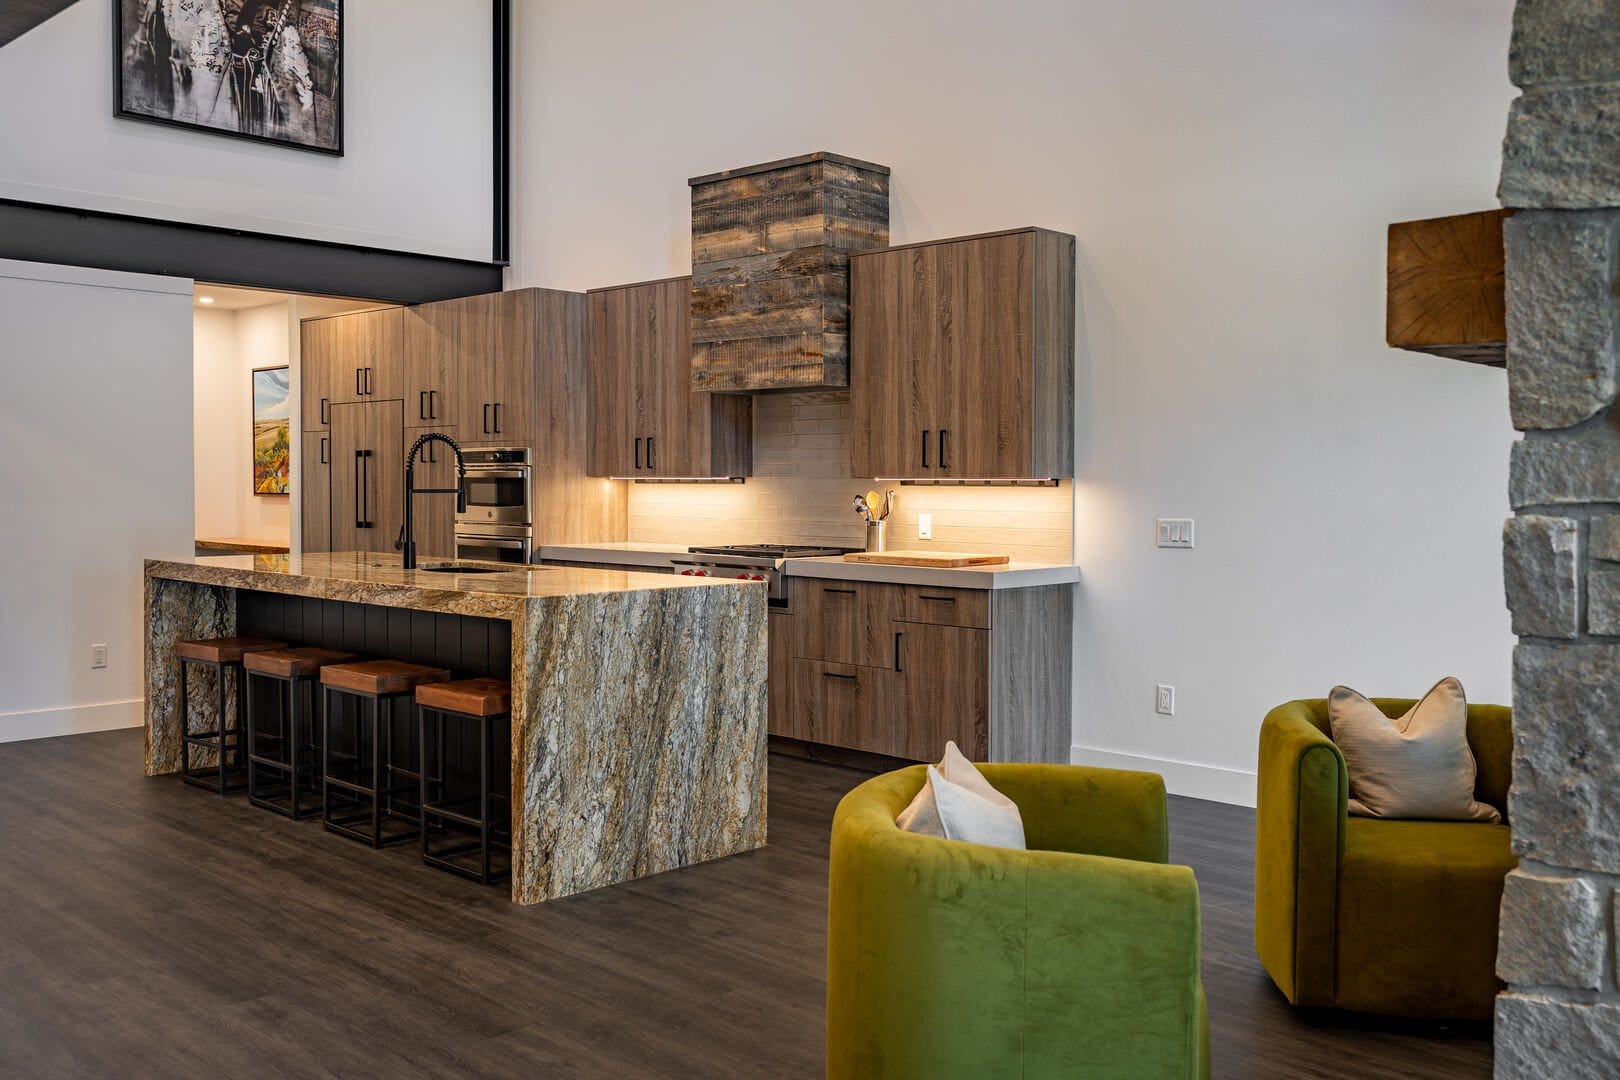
<point x="491" y="542"/>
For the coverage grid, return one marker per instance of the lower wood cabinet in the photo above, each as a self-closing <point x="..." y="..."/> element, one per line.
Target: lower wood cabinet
<point x="368" y="475"/>
<point x="900" y="669"/>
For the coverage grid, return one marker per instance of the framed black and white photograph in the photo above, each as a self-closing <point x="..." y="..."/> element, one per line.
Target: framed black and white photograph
<point x="270" y="70"/>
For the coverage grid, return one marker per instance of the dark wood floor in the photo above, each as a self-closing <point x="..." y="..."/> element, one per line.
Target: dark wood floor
<point x="149" y="928"/>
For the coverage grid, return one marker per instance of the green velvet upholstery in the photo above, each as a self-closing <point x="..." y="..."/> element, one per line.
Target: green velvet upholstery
<point x="1077" y="958"/>
<point x="1392" y="917"/>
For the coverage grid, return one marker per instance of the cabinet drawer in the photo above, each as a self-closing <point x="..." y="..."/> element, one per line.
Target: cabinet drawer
<point x="845" y="705"/>
<point x="947" y="607"/>
<point x="847" y="622"/>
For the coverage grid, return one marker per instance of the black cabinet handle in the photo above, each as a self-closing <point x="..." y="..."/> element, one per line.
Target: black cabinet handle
<point x="360" y="471"/>
<point x="939" y="599"/>
<point x="638" y="452"/>
<point x="486" y="418"/>
<point x="944" y="461"/>
<point x="846" y="592"/>
<point x="837" y="675"/>
<point x="357" y="391"/>
<point x="433" y="404"/>
<point x="326" y="411"/>
<point x="497" y="418"/>
<point x="368" y="382"/>
<point x="925" y="448"/>
<point x="652" y="458"/>
<point x="897" y="666"/>
<point x="324" y="447"/>
<point x="421" y="405"/>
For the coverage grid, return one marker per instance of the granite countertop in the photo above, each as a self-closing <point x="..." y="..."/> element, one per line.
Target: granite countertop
<point x="369" y="577"/>
<point x="1013" y="575"/>
<point x="240" y="544"/>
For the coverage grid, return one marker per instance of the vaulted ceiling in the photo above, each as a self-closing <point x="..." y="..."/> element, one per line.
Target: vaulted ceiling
<point x="17" y="17"/>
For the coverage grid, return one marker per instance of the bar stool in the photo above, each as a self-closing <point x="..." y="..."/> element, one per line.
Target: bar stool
<point x="222" y="654"/>
<point x="446" y="803"/>
<point x="287" y="754"/>
<point x="374" y="686"/>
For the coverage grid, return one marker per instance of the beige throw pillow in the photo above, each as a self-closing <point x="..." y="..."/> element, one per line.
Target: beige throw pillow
<point x="1415" y="766"/>
<point x="958" y="803"/>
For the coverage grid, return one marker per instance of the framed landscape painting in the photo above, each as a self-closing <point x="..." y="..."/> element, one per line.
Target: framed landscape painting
<point x="272" y="431"/>
<point x="258" y="69"/>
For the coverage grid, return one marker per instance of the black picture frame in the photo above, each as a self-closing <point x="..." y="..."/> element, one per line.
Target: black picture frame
<point x="120" y="109"/>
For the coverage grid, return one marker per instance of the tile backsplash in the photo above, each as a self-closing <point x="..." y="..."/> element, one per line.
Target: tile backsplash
<point x="801" y="493"/>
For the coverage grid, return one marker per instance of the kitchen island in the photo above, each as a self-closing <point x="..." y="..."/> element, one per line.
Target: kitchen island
<point x="638" y="700"/>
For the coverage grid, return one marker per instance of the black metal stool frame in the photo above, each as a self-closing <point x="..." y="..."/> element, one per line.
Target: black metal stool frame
<point x="441" y="810"/>
<point x="369" y="709"/>
<point x="216" y="739"/>
<point x="291" y="766"/>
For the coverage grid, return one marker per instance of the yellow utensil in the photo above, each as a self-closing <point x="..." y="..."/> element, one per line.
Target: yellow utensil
<point x="875" y="506"/>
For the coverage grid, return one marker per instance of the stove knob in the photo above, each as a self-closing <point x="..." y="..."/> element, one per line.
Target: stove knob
<point x="686" y="573"/>
<point x="759" y="577"/>
<point x="744" y="577"/>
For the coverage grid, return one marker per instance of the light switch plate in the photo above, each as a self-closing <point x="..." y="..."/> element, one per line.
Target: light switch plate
<point x="1166" y="702"/>
<point x="925" y="526"/>
<point x="1175" y="532"/>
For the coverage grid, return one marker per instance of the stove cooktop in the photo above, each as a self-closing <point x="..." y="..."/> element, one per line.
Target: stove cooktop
<point x="771" y="551"/>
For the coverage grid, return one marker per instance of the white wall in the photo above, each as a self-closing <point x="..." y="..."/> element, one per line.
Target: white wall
<point x="415" y="174"/>
<point x="1229" y="170"/>
<point x="95" y="433"/>
<point x="227" y="346"/>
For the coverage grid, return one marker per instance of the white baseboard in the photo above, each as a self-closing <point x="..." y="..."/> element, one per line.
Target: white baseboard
<point x="1180" y="777"/>
<point x="71" y="720"/>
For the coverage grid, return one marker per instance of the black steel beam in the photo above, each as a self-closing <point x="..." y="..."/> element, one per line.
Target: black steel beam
<point x="38" y="232"/>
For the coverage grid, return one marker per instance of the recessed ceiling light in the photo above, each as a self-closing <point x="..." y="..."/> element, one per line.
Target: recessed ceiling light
<point x="205" y="299"/>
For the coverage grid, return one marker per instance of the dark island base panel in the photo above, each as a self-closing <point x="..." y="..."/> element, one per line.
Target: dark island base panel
<point x="467" y="645"/>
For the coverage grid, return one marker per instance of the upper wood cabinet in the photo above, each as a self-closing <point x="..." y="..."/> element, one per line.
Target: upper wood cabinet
<point x="645" y="420"/>
<point x="354" y="357"/>
<point x="962" y="358"/>
<point x="315" y="485"/>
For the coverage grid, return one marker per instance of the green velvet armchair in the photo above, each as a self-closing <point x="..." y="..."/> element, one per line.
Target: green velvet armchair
<point x="1390" y="917"/>
<point x="1077" y="958"/>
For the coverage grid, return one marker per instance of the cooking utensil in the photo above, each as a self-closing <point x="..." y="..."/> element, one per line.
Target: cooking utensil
<point x="875" y="505"/>
<point x="888" y="503"/>
<point x="862" y="508"/>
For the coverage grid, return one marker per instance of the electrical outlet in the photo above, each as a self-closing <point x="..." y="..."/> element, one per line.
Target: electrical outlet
<point x="925" y="526"/>
<point x="1166" y="704"/>
<point x="98" y="656"/>
<point x="1175" y="532"/>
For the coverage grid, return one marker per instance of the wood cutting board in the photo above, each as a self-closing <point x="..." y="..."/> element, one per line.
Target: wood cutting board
<point x="927" y="558"/>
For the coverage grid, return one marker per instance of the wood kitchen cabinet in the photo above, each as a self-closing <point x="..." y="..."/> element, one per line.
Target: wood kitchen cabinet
<point x="350" y="358"/>
<point x="315" y="488"/>
<point x="962" y="358"/>
<point x="368" y="475"/>
<point x="435" y="514"/>
<point x="898" y="669"/>
<point x="645" y="418"/>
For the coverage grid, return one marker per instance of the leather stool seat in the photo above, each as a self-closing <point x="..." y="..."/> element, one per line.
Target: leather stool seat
<point x="470" y="697"/>
<point x="293" y="663"/>
<point x="380" y="677"/>
<point x="224" y="650"/>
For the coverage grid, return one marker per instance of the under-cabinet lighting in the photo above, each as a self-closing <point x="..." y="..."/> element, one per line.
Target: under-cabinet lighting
<point x="957" y="481"/>
<point x="205" y="299"/>
<point x="682" y="479"/>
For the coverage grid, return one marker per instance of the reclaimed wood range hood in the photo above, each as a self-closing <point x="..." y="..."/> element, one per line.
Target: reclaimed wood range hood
<point x="770" y="270"/>
<point x="1446" y="290"/>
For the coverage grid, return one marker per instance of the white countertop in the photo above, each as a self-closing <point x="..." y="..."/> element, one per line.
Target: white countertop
<point x="1013" y="575"/>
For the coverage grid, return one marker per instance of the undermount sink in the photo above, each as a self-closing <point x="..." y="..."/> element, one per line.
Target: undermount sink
<point x="452" y="568"/>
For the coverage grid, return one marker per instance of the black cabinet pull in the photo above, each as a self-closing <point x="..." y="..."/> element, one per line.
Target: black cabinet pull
<point x="846" y="592"/>
<point x="486" y="418"/>
<point x="368" y="382"/>
<point x="362" y="498"/>
<point x="421" y="405"/>
<point x="638" y="451"/>
<point x="837" y="675"/>
<point x="652" y="458"/>
<point x="897" y="666"/>
<point x="433" y="404"/>
<point x="944" y="457"/>
<point x="497" y="418"/>
<point x="326" y="411"/>
<point x="939" y="599"/>
<point x="324" y="459"/>
<point x="925" y="448"/>
<point x="357" y="391"/>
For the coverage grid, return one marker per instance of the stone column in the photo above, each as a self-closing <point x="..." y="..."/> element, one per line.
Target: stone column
<point x="1560" y="1016"/>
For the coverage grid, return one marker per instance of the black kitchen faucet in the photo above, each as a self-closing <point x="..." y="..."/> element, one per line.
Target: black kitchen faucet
<point x="407" y="535"/>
